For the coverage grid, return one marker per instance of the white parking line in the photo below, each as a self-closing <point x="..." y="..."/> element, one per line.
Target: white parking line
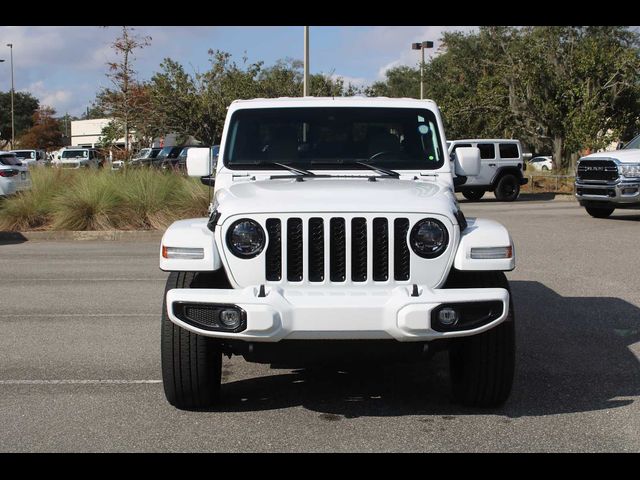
<point x="76" y="382"/>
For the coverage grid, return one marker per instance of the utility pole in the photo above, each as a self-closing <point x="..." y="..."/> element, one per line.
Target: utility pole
<point x="305" y="89"/>
<point x="13" y="127"/>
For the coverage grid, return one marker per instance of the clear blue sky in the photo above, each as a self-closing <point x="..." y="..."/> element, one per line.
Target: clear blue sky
<point x="64" y="67"/>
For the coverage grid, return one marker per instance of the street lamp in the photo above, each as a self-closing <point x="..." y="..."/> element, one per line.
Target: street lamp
<point x="305" y="85"/>
<point x="421" y="46"/>
<point x="13" y="139"/>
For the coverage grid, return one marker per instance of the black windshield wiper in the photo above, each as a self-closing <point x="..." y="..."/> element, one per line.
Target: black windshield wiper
<point x="384" y="171"/>
<point x="296" y="170"/>
<point x="391" y="173"/>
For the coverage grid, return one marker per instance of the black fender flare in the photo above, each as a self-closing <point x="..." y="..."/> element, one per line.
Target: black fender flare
<point x="502" y="171"/>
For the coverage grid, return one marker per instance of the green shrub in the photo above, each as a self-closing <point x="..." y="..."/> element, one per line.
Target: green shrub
<point x="103" y="200"/>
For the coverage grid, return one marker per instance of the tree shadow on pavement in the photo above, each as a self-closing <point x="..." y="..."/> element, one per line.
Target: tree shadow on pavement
<point x="573" y="355"/>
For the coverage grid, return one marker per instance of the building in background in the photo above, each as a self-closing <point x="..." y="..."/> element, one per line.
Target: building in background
<point x="86" y="133"/>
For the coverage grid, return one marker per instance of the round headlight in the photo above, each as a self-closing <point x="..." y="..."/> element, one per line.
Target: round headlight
<point x="245" y="238"/>
<point x="429" y="238"/>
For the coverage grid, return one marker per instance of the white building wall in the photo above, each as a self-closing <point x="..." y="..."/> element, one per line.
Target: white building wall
<point x="86" y="133"/>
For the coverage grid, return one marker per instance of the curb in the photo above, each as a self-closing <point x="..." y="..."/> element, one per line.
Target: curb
<point x="107" y="235"/>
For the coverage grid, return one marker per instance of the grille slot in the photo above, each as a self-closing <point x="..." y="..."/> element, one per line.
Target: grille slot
<point x="597" y="170"/>
<point x="273" y="260"/>
<point x="359" y="249"/>
<point x="294" y="250"/>
<point x="380" y="241"/>
<point x="316" y="250"/>
<point x="337" y="250"/>
<point x="401" y="256"/>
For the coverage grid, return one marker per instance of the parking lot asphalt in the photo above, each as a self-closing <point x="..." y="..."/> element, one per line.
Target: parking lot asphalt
<point x="80" y="361"/>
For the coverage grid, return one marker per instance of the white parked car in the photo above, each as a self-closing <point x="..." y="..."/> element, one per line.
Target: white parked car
<point x="335" y="233"/>
<point x="14" y="175"/>
<point x="77" y="157"/>
<point x="542" y="163"/>
<point x="31" y="158"/>
<point x="606" y="181"/>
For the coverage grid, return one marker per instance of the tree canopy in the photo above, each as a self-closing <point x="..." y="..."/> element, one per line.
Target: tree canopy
<point x="24" y="106"/>
<point x="560" y="90"/>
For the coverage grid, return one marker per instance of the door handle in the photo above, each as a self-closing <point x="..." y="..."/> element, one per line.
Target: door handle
<point x="492" y="164"/>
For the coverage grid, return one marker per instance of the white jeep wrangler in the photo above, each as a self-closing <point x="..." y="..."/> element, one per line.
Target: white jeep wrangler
<point x="335" y="234"/>
<point x="609" y="180"/>
<point x="502" y="163"/>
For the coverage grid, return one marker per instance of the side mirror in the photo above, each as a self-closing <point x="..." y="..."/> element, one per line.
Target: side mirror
<point x="199" y="162"/>
<point x="467" y="161"/>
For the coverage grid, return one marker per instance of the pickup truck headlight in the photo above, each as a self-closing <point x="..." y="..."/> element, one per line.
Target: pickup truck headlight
<point x="630" y="171"/>
<point x="245" y="238"/>
<point x="429" y="238"/>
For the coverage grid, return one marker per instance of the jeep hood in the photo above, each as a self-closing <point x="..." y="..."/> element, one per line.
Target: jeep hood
<point x="625" y="156"/>
<point x="336" y="195"/>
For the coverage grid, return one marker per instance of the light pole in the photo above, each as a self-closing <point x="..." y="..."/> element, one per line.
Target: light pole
<point x="421" y="46"/>
<point x="13" y="138"/>
<point x="305" y="88"/>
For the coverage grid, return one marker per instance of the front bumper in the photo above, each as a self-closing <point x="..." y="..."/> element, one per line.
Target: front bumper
<point x="337" y="314"/>
<point x="622" y="192"/>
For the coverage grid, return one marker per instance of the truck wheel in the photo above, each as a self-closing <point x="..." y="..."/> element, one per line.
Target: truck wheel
<point x="191" y="363"/>
<point x="474" y="195"/>
<point x="599" y="212"/>
<point x="482" y="366"/>
<point x="508" y="188"/>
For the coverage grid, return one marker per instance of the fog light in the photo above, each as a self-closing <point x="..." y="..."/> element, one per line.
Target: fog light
<point x="230" y="318"/>
<point x="448" y="317"/>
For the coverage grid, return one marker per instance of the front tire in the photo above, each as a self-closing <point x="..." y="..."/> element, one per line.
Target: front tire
<point x="482" y="366"/>
<point x="473" y="195"/>
<point x="508" y="188"/>
<point x="600" y="212"/>
<point x="191" y="363"/>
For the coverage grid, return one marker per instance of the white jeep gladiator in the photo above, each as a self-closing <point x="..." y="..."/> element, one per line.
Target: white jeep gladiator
<point x="609" y="180"/>
<point x="335" y="235"/>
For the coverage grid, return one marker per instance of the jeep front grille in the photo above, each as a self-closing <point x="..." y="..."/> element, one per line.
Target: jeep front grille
<point x="327" y="254"/>
<point x="597" y="170"/>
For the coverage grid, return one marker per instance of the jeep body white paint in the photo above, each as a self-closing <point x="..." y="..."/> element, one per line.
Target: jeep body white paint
<point x="501" y="170"/>
<point x="609" y="180"/>
<point x="335" y="234"/>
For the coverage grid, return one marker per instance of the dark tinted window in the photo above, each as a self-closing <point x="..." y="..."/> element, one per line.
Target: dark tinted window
<point x="487" y="150"/>
<point x="10" y="160"/>
<point x="324" y="137"/>
<point x="509" y="150"/>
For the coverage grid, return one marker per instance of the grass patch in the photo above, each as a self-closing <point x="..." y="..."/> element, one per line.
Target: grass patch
<point x="142" y="199"/>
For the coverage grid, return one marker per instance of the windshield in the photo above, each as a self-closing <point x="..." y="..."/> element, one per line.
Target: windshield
<point x="144" y="153"/>
<point x="75" y="153"/>
<point x="25" y="154"/>
<point x="323" y="137"/>
<point x="635" y="143"/>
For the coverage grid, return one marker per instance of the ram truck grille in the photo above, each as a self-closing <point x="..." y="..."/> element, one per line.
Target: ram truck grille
<point x="329" y="256"/>
<point x="597" y="170"/>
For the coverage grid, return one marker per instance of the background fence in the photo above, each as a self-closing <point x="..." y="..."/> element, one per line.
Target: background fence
<point x="549" y="183"/>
